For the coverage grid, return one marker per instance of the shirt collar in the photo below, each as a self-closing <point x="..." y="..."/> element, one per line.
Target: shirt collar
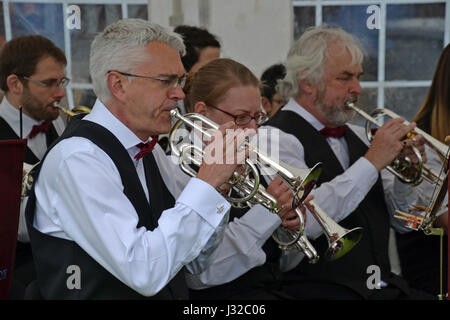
<point x="294" y="106"/>
<point x="101" y="115"/>
<point x="12" y="116"/>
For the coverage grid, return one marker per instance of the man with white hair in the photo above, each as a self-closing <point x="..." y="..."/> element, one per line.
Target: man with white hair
<point x="323" y="71"/>
<point x="102" y="222"/>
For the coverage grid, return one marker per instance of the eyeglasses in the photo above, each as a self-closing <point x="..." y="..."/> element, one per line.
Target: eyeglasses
<point x="173" y="81"/>
<point x="50" y="83"/>
<point x="279" y="101"/>
<point x="244" y="119"/>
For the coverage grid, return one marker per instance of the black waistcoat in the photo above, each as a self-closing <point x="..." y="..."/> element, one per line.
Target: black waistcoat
<point x="371" y="214"/>
<point x="53" y="255"/>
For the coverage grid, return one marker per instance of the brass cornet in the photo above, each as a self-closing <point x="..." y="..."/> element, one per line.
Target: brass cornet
<point x="250" y="189"/>
<point x="404" y="168"/>
<point x="340" y="240"/>
<point x="413" y="174"/>
<point x="299" y="181"/>
<point x="27" y="181"/>
<point x="73" y="112"/>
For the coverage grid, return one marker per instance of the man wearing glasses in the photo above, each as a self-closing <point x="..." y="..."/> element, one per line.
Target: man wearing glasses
<point x="101" y="197"/>
<point x="32" y="77"/>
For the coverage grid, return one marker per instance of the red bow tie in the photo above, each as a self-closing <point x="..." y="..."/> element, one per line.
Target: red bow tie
<point x="333" y="132"/>
<point x="146" y="147"/>
<point x="43" y="127"/>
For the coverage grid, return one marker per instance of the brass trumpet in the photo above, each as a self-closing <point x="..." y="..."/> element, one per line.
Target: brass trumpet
<point x="414" y="174"/>
<point x="75" y="111"/>
<point x="340" y="240"/>
<point x="27" y="180"/>
<point x="404" y="168"/>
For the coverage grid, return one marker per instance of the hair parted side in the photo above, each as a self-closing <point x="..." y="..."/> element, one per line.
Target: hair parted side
<point x="121" y="46"/>
<point x="212" y="81"/>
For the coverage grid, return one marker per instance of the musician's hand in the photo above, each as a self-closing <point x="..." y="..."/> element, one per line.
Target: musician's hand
<point x="419" y="142"/>
<point x="388" y="142"/>
<point x="223" y="154"/>
<point x="308" y="204"/>
<point x="280" y="191"/>
<point x="291" y="220"/>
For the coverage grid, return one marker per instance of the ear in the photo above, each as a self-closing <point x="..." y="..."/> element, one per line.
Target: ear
<point x="15" y="86"/>
<point x="266" y="105"/>
<point x="201" y="108"/>
<point x="117" y="85"/>
<point x="306" y="86"/>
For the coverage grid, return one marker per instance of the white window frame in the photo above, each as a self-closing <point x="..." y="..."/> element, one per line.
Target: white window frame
<point x="381" y="83"/>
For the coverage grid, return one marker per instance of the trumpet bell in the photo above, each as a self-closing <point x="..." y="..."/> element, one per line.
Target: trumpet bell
<point x="343" y="244"/>
<point x="309" y="180"/>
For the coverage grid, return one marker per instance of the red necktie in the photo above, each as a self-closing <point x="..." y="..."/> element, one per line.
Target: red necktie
<point x="333" y="132"/>
<point x="43" y="127"/>
<point x="146" y="147"/>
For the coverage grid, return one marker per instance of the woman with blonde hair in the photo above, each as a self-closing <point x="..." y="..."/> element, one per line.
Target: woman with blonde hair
<point x="247" y="264"/>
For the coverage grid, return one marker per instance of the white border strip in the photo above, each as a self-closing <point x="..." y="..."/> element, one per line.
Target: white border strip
<point x="93" y="2"/>
<point x="6" y="17"/>
<point x="395" y="84"/>
<point x="447" y="23"/>
<point x="360" y="2"/>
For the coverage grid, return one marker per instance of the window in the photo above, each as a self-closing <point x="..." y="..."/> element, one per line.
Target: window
<point x="402" y="50"/>
<point x="51" y="18"/>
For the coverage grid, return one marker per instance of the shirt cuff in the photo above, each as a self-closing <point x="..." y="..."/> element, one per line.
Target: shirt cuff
<point x="211" y="206"/>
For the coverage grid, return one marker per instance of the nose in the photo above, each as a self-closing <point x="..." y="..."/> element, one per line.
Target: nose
<point x="252" y="125"/>
<point x="59" y="93"/>
<point x="355" y="88"/>
<point x="176" y="93"/>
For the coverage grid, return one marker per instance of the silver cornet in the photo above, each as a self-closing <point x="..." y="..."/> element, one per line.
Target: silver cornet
<point x="411" y="173"/>
<point x="340" y="240"/>
<point x="250" y="189"/>
<point x="299" y="181"/>
<point x="404" y="168"/>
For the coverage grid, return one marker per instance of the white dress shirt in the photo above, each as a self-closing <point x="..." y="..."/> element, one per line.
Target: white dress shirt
<point x="80" y="198"/>
<point x="340" y="196"/>
<point x="38" y="145"/>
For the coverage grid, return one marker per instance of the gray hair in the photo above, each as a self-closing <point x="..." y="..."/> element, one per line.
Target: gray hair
<point x="307" y="55"/>
<point x="121" y="46"/>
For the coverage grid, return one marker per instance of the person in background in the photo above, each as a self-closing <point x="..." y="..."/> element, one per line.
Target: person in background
<point x="322" y="78"/>
<point x="33" y="79"/>
<point x="201" y="46"/>
<point x="420" y="254"/>
<point x="248" y="263"/>
<point x="271" y="100"/>
<point x="100" y="199"/>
